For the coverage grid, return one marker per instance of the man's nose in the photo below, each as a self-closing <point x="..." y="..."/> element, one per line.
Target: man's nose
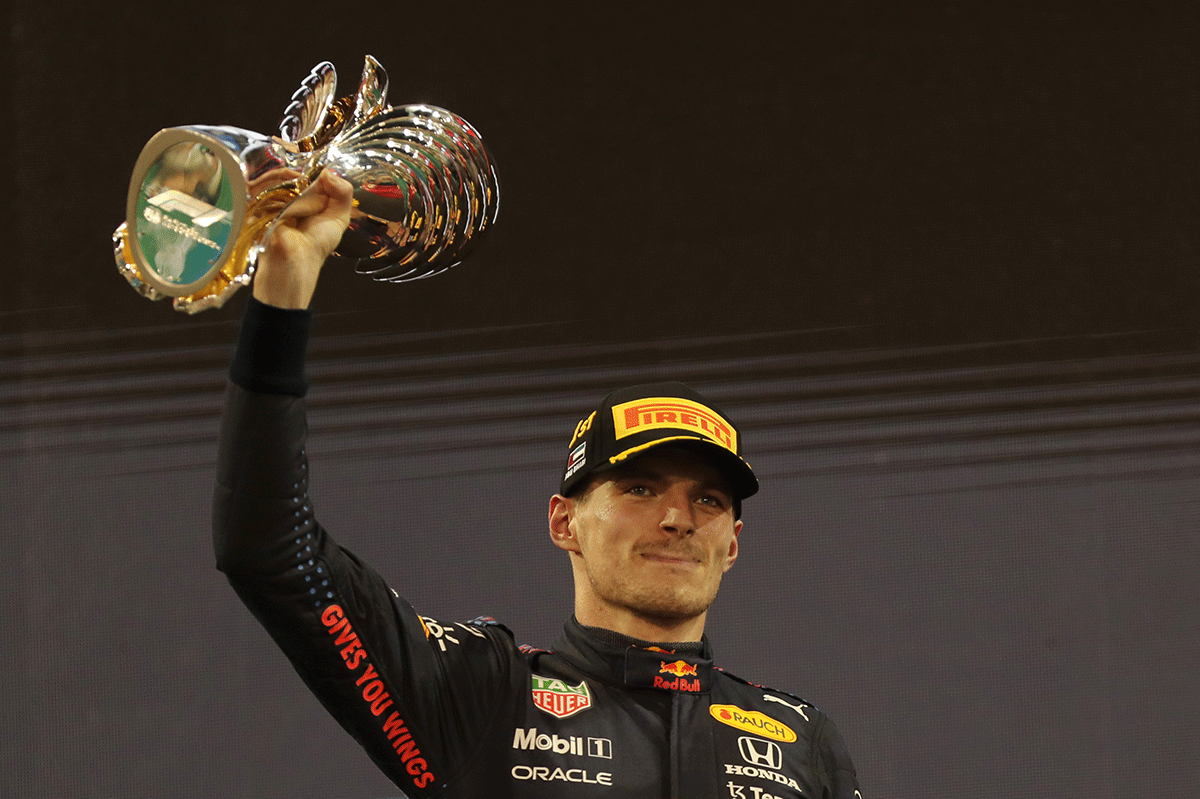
<point x="678" y="517"/>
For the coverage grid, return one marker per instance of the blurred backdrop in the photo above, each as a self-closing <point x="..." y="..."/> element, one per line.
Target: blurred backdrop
<point x="940" y="263"/>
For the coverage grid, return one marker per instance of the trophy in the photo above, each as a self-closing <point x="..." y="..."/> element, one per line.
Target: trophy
<point x="203" y="199"/>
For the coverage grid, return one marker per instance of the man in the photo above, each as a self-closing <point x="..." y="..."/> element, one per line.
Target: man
<point x="628" y="703"/>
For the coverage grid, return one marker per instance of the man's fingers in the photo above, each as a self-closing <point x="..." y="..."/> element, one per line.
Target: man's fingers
<point x="337" y="187"/>
<point x="328" y="194"/>
<point x="310" y="202"/>
<point x="325" y="227"/>
<point x="338" y="197"/>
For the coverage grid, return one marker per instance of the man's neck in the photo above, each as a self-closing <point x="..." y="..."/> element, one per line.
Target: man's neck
<point x="634" y="625"/>
<point x="618" y="640"/>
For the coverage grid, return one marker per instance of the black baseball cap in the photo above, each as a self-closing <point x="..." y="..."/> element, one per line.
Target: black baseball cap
<point x="631" y="421"/>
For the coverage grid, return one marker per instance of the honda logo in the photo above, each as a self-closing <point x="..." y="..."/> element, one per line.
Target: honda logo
<point x="757" y="752"/>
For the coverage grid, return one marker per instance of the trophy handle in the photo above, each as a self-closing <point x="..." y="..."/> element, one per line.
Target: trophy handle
<point x="302" y="120"/>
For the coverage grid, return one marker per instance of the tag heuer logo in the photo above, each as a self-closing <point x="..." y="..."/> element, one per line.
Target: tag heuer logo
<point x="559" y="699"/>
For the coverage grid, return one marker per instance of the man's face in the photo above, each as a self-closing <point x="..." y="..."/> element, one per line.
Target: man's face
<point x="652" y="538"/>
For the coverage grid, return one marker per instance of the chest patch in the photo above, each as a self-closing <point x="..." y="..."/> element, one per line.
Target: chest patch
<point x="753" y="721"/>
<point x="559" y="699"/>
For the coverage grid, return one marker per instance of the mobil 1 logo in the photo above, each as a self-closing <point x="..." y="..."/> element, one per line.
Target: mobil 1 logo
<point x="530" y="739"/>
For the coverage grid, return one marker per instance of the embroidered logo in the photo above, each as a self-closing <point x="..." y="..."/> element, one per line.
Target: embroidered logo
<point x="559" y="699"/>
<point x="753" y="721"/>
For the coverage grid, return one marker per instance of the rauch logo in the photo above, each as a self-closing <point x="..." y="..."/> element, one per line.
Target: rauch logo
<point x="753" y="721"/>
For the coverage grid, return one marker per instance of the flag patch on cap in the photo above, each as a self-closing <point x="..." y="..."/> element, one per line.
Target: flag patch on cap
<point x="577" y="459"/>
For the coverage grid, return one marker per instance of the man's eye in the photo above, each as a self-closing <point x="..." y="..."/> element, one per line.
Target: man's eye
<point x="638" y="490"/>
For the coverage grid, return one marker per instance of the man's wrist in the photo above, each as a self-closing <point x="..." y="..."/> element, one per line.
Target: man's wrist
<point x="289" y="295"/>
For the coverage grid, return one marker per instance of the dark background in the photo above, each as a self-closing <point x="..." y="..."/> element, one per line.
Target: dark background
<point x="939" y="262"/>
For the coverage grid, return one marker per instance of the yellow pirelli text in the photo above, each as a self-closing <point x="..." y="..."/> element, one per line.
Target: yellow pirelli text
<point x="674" y="413"/>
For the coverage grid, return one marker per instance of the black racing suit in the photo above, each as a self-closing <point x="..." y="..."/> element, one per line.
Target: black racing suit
<point x="459" y="710"/>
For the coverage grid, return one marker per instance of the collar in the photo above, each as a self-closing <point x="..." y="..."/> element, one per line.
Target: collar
<point x="620" y="660"/>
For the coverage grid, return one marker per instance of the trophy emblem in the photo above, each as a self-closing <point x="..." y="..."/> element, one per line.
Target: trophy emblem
<point x="203" y="198"/>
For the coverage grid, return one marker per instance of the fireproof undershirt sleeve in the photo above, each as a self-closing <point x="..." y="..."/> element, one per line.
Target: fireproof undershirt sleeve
<point x="271" y="350"/>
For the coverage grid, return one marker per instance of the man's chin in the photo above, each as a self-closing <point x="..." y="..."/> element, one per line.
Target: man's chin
<point x="653" y="595"/>
<point x="670" y="609"/>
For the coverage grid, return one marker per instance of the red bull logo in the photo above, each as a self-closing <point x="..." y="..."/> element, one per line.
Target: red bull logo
<point x="681" y="670"/>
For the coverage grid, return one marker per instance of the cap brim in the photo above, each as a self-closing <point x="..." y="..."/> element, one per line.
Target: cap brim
<point x="734" y="467"/>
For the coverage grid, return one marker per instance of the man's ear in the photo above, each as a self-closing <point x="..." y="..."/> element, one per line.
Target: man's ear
<point x="732" y="554"/>
<point x="561" y="533"/>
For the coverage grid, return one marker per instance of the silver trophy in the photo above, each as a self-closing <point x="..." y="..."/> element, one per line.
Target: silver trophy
<point x="203" y="198"/>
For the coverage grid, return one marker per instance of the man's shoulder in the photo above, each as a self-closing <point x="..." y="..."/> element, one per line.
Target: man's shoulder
<point x="489" y="623"/>
<point x="481" y="628"/>
<point x="763" y="696"/>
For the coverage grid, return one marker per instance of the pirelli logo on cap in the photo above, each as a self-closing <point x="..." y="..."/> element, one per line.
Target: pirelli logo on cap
<point x="674" y="413"/>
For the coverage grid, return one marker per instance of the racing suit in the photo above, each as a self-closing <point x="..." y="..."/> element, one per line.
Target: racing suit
<point x="459" y="710"/>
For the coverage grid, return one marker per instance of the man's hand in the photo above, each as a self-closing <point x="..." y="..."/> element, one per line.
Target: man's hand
<point x="308" y="231"/>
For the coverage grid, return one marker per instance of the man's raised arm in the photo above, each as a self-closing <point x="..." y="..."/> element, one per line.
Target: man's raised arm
<point x="419" y="710"/>
<point x="260" y="464"/>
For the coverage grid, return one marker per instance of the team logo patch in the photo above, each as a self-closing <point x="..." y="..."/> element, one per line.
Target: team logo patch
<point x="679" y="668"/>
<point x="559" y="699"/>
<point x="674" y="413"/>
<point x="753" y="721"/>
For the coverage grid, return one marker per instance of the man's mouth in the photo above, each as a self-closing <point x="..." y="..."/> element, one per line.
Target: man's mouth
<point x="671" y="558"/>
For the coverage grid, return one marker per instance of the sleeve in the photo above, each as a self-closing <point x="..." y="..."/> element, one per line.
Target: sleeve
<point x="841" y="780"/>
<point x="417" y="695"/>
